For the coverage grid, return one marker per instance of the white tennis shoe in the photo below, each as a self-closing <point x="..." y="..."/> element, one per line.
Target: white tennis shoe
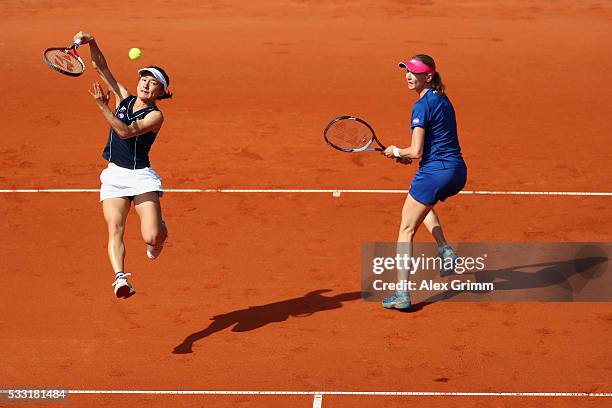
<point x="123" y="289"/>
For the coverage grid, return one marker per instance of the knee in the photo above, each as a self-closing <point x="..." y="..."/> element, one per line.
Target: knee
<point x="407" y="229"/>
<point x="150" y="237"/>
<point x="115" y="228"/>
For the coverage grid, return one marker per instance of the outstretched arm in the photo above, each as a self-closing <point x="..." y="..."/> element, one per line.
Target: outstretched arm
<point x="101" y="66"/>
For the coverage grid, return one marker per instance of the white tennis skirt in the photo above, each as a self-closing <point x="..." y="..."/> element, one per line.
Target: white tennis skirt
<point x="120" y="182"/>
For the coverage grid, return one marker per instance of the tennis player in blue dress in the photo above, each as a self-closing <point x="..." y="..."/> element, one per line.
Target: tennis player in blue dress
<point x="442" y="172"/>
<point x="129" y="176"/>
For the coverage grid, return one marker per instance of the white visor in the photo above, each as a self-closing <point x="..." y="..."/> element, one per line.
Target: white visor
<point x="157" y="74"/>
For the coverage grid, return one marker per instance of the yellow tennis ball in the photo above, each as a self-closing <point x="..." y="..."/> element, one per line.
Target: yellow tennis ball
<point x="134" y="53"/>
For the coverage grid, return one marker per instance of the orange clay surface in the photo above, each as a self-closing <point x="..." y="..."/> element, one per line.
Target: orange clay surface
<point x="261" y="292"/>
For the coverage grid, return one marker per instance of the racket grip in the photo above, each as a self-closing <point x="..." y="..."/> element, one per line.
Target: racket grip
<point x="77" y="42"/>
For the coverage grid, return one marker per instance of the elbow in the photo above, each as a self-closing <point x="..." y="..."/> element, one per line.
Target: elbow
<point x="123" y="133"/>
<point x="416" y="155"/>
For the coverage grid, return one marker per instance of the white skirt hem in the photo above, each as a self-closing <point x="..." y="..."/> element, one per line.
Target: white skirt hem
<point x="120" y="182"/>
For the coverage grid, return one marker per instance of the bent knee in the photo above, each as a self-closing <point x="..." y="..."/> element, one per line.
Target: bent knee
<point x="149" y="236"/>
<point x="149" y="239"/>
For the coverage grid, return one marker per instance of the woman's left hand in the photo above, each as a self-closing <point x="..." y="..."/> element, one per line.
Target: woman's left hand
<point x="98" y="94"/>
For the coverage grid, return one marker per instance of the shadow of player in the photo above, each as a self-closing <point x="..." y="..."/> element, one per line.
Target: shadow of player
<point x="548" y="274"/>
<point x="255" y="317"/>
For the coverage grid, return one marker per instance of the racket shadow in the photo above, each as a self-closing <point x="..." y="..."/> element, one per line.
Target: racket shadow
<point x="255" y="317"/>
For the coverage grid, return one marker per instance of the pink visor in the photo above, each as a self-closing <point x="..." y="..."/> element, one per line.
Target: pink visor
<point x="417" y="67"/>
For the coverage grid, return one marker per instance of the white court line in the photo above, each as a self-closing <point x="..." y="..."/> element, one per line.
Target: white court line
<point x="327" y="191"/>
<point x="317" y="402"/>
<point x="370" y="393"/>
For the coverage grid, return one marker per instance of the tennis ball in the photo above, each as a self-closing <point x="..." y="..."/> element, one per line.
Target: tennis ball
<point x="134" y="53"/>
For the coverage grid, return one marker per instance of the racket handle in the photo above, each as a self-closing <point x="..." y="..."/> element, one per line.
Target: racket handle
<point x="77" y="42"/>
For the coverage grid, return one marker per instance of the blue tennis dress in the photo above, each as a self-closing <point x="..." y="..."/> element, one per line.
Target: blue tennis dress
<point x="442" y="172"/>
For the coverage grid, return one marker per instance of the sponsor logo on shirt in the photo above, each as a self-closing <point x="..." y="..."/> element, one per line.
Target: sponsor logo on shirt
<point x="416" y="120"/>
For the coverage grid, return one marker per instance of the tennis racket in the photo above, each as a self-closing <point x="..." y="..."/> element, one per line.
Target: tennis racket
<point x="65" y="60"/>
<point x="351" y="134"/>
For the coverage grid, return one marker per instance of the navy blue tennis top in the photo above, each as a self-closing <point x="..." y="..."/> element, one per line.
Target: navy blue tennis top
<point x="132" y="153"/>
<point x="436" y="115"/>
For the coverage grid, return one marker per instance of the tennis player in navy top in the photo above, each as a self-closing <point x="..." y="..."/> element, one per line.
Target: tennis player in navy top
<point x="442" y="172"/>
<point x="129" y="176"/>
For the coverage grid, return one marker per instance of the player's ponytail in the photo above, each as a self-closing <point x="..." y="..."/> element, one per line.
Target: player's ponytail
<point x="436" y="82"/>
<point x="438" y="85"/>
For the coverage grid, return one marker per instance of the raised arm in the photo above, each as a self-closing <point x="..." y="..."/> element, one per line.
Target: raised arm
<point x="99" y="63"/>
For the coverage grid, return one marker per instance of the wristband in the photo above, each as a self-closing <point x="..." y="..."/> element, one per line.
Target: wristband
<point x="396" y="152"/>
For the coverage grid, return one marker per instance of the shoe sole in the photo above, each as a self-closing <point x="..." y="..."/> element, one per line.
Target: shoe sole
<point x="398" y="307"/>
<point x="447" y="272"/>
<point x="125" y="292"/>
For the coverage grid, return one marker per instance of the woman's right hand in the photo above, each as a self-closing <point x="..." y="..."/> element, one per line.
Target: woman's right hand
<point x="83" y="36"/>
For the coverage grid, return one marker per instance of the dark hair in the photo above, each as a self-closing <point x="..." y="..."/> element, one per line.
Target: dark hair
<point x="436" y="82"/>
<point x="167" y="94"/>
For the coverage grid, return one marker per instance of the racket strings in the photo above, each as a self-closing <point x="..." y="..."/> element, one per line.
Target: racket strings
<point x="64" y="61"/>
<point x="349" y="135"/>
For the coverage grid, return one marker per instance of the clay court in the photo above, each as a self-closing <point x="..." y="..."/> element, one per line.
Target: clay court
<point x="260" y="292"/>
